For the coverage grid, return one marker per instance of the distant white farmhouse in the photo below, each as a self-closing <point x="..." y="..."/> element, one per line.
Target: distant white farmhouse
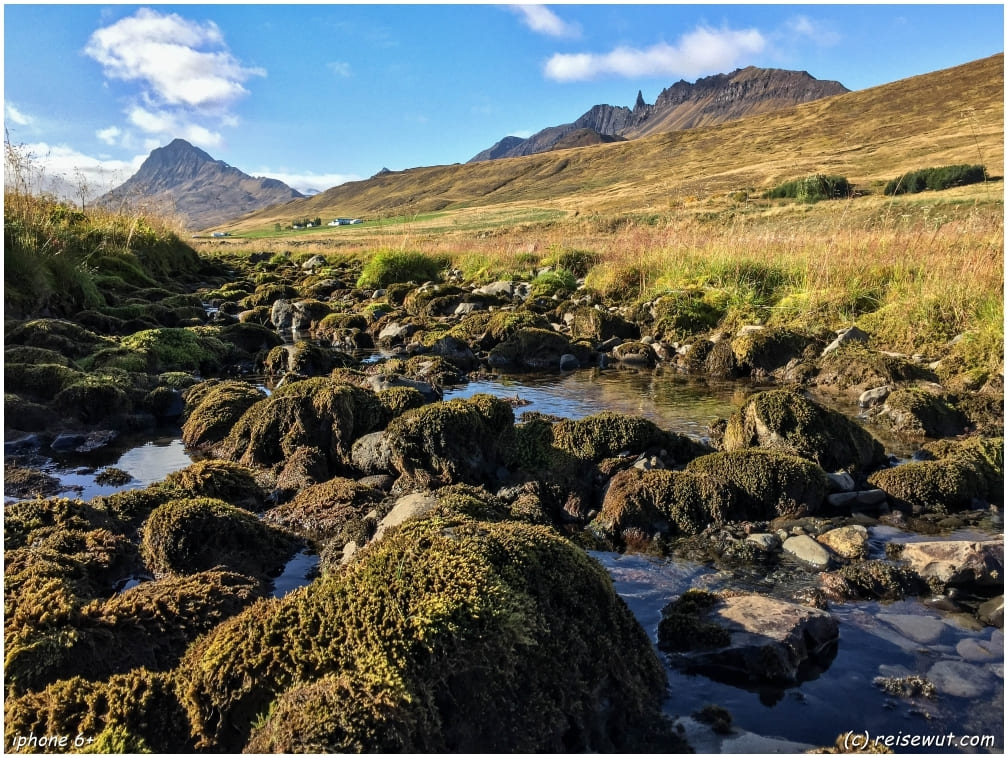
<point x="344" y="221"/>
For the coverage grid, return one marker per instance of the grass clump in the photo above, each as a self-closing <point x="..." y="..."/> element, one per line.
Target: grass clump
<point x="812" y="189"/>
<point x="386" y="267"/>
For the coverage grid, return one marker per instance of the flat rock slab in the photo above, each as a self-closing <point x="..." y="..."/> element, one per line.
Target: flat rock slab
<point x="961" y="679"/>
<point x="958" y="561"/>
<point x="407" y="507"/>
<point x="770" y="640"/>
<point x="925" y="630"/>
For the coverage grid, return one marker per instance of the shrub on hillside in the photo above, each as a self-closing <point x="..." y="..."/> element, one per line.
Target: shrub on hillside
<point x="938" y="178"/>
<point x="812" y="189"/>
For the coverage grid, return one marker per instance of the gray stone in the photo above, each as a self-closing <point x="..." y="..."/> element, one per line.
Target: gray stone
<point x="463" y="309"/>
<point x="974" y="650"/>
<point x="871" y="497"/>
<point x="806" y="549"/>
<point x="838" y="499"/>
<point x="841" y="481"/>
<point x="958" y="561"/>
<point x="926" y="630"/>
<point x="764" y="541"/>
<point x="961" y="679"/>
<point x="850" y="334"/>
<point x="315" y="262"/>
<point x="371" y="454"/>
<point x="378" y="383"/>
<point x="769" y="639"/>
<point x="569" y="362"/>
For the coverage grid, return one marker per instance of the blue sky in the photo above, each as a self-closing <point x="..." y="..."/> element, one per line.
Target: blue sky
<point x="320" y="94"/>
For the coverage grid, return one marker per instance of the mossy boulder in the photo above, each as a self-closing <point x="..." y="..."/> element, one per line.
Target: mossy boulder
<point x="486" y="329"/>
<point x="197" y="534"/>
<point x="39" y="380"/>
<point x="306" y="359"/>
<point x="317" y="413"/>
<point x="920" y="412"/>
<point x="608" y="434"/>
<point x="662" y="501"/>
<point x="767" y="483"/>
<point x="941" y="486"/>
<point x="855" y="367"/>
<point x="533" y="349"/>
<point x="464" y="440"/>
<point x="680" y="314"/>
<point x="217" y="479"/>
<point x="63" y="337"/>
<point x="212" y="409"/>
<point x="178" y="349"/>
<point x="599" y="325"/>
<point x="763" y="351"/>
<point x="133" y="712"/>
<point x="871" y="580"/>
<point x="337" y="510"/>
<point x="984" y="455"/>
<point x="787" y="421"/>
<point x="450" y="635"/>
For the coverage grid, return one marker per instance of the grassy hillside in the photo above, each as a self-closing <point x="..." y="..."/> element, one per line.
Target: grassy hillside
<point x="951" y="116"/>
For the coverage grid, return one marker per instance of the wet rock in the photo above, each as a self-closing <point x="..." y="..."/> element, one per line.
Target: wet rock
<point x="846" y="541"/>
<point x="841" y="481"/>
<point x="569" y="362"/>
<point x="920" y="411"/>
<point x="532" y="348"/>
<point x="384" y="382"/>
<point x="872" y="397"/>
<point x="806" y="549"/>
<point x="957" y="561"/>
<point x="926" y="630"/>
<point x="871" y="580"/>
<point x="978" y="651"/>
<point x="992" y="611"/>
<point x="961" y="679"/>
<point x="787" y="421"/>
<point x="765" y="541"/>
<point x="768" y="640"/>
<point x="456" y="352"/>
<point x="634" y="354"/>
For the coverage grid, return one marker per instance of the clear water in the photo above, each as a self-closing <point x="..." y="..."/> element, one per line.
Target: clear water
<point x="843" y="697"/>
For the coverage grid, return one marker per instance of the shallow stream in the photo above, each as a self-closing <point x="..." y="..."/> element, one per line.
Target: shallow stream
<point x="875" y="639"/>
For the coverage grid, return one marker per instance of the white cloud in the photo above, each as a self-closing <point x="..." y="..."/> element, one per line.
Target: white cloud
<point x="109" y="136"/>
<point x="542" y="20"/>
<point x="308" y="182"/>
<point x="803" y="26"/>
<point x="339" y="68"/>
<point x="62" y="170"/>
<point x="15" y="116"/>
<point x="188" y="79"/>
<point x="702" y="51"/>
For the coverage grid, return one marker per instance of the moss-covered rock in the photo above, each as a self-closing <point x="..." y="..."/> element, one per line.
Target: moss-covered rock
<point x="317" y="413"/>
<point x="213" y="408"/>
<point x="178" y="349"/>
<point x="763" y="351"/>
<point x="534" y="349"/>
<point x="138" y="711"/>
<point x="449" y="636"/>
<point x="683" y="626"/>
<point x="39" y="380"/>
<point x="983" y="455"/>
<point x="217" y="479"/>
<point x="63" y="337"/>
<point x="667" y="502"/>
<point x="454" y="441"/>
<point x="197" y="534"/>
<point x="678" y="315"/>
<point x="768" y="483"/>
<point x="787" y="421"/>
<point x="333" y="510"/>
<point x="599" y="325"/>
<point x="607" y="434"/>
<point x="941" y="486"/>
<point x="920" y="412"/>
<point x="856" y="367"/>
<point x="871" y="580"/>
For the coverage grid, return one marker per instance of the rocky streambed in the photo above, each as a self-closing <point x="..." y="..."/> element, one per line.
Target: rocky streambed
<point x="522" y="521"/>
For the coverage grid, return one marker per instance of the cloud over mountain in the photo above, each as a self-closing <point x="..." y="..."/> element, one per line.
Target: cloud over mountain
<point x="187" y="78"/>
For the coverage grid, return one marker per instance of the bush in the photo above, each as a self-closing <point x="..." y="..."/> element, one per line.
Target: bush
<point x="812" y="189"/>
<point x="391" y="266"/>
<point x="939" y="178"/>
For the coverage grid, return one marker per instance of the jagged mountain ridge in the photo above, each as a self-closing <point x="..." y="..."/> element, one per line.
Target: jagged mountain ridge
<point x="710" y="100"/>
<point x="183" y="180"/>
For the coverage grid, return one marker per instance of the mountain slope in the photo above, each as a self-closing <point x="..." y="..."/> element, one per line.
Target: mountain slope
<point x="711" y="100"/>
<point x="180" y="179"/>
<point x="869" y="136"/>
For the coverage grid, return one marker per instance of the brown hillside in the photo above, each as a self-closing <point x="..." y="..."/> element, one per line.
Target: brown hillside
<point x="870" y="136"/>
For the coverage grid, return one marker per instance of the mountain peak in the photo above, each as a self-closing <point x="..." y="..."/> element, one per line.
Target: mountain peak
<point x="710" y="100"/>
<point x="186" y="181"/>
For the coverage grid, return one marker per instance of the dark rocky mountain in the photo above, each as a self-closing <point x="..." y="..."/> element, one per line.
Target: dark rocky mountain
<point x="710" y="100"/>
<point x="183" y="181"/>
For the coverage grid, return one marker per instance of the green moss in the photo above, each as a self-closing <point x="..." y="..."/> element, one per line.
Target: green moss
<point x="684" y="313"/>
<point x="768" y="483"/>
<point x="317" y="413"/>
<point x="134" y="709"/>
<point x="178" y="349"/>
<point x="196" y="534"/>
<point x="942" y="486"/>
<point x="42" y="380"/>
<point x="267" y="294"/>
<point x="872" y="580"/>
<point x="854" y="364"/>
<point x="212" y="409"/>
<point x="479" y="636"/>
<point x="395" y="401"/>
<point x="768" y="349"/>
<point x="683" y="628"/>
<point x="386" y="267"/>
<point x="333" y="510"/>
<point x="607" y="434"/>
<point x="217" y="479"/>
<point x="33" y="356"/>
<point x="787" y="421"/>
<point x="917" y="412"/>
<point x="599" y="325"/>
<point x="983" y="455"/>
<point x="454" y="441"/>
<point x="556" y="282"/>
